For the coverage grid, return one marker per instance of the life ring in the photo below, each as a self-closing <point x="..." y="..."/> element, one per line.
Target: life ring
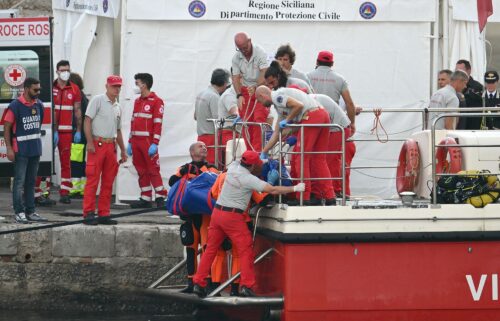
<point x="443" y="165"/>
<point x="408" y="167"/>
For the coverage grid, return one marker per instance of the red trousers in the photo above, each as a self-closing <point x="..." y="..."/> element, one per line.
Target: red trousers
<point x="209" y="140"/>
<point x="335" y="160"/>
<point x="253" y="111"/>
<point x="315" y="139"/>
<point x="148" y="168"/>
<point x="101" y="167"/>
<point x="234" y="226"/>
<point x="64" y="146"/>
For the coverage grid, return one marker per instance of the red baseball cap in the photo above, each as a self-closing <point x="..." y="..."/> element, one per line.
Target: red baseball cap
<point x="114" y="80"/>
<point x="250" y="157"/>
<point x="325" y="56"/>
<point x="295" y="86"/>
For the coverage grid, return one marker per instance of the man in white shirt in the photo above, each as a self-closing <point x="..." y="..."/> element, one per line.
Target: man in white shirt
<point x="206" y="107"/>
<point x="249" y="65"/>
<point x="327" y="82"/>
<point x="446" y="97"/>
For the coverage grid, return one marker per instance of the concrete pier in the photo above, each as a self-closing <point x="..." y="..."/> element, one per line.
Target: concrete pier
<point x="87" y="268"/>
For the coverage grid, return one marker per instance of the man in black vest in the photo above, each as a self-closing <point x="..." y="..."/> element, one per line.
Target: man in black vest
<point x="473" y="97"/>
<point x="24" y="147"/>
<point x="491" y="98"/>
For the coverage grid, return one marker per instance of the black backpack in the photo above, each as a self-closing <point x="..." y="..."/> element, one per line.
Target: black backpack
<point x="458" y="189"/>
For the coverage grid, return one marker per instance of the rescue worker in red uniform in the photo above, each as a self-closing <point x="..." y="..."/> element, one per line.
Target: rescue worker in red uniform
<point x="145" y="134"/>
<point x="218" y="264"/>
<point x="198" y="165"/>
<point x="249" y="65"/>
<point x="228" y="220"/>
<point x="206" y="107"/>
<point x="103" y="133"/>
<point x="67" y="110"/>
<point x="295" y="106"/>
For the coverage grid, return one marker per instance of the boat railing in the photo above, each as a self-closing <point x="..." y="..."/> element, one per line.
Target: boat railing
<point x="220" y="125"/>
<point x="302" y="152"/>
<point x="424" y="113"/>
<point x="456" y="112"/>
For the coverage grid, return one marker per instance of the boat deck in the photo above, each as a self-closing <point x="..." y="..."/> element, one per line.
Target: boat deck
<point x="380" y="220"/>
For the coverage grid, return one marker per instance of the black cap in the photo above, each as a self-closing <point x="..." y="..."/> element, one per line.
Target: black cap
<point x="491" y="77"/>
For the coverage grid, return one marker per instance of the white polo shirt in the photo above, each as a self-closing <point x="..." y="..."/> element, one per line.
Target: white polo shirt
<point x="337" y="115"/>
<point x="249" y="69"/>
<point x="280" y="99"/>
<point x="105" y="115"/>
<point x="238" y="187"/>
<point x="206" y="107"/>
<point x="327" y="82"/>
<point x="227" y="101"/>
<point x="445" y="97"/>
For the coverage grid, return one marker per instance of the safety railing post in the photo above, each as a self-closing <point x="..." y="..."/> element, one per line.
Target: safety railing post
<point x="425" y="118"/>
<point x="302" y="163"/>
<point x="343" y="167"/>
<point x="433" y="138"/>
<point x="433" y="160"/>
<point x="216" y="144"/>
<point x="262" y="136"/>
<point x="280" y="159"/>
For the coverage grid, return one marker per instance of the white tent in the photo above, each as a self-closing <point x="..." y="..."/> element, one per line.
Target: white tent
<point x="389" y="51"/>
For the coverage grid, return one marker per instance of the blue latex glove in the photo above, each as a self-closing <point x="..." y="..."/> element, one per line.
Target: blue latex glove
<point x="273" y="176"/>
<point x="283" y="123"/>
<point x="129" y="149"/>
<point x="56" y="138"/>
<point x="78" y="137"/>
<point x="153" y="149"/>
<point x="269" y="133"/>
<point x="291" y="140"/>
<point x="263" y="155"/>
<point x="236" y="120"/>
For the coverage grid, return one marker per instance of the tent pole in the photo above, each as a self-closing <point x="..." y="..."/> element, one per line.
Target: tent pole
<point x="123" y="19"/>
<point x="445" y="23"/>
<point x="435" y="50"/>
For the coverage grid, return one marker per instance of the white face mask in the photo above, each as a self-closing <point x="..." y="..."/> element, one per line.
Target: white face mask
<point x="137" y="90"/>
<point x="64" y="75"/>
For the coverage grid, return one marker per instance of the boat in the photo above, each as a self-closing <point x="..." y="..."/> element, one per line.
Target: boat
<point x="409" y="258"/>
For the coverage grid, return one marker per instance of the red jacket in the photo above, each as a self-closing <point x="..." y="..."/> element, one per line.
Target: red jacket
<point x="64" y="102"/>
<point x="147" y="118"/>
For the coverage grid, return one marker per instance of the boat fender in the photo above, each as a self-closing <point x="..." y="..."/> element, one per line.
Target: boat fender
<point x="408" y="167"/>
<point x="454" y="165"/>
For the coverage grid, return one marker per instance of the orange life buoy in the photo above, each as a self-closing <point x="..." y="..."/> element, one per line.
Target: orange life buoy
<point x="454" y="164"/>
<point x="408" y="167"/>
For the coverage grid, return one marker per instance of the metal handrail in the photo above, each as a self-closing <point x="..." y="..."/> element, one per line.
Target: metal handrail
<point x="217" y="146"/>
<point x="237" y="275"/>
<point x="302" y="152"/>
<point x="433" y="138"/>
<point x="170" y="272"/>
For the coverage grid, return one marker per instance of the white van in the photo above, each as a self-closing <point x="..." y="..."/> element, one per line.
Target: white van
<point x="26" y="51"/>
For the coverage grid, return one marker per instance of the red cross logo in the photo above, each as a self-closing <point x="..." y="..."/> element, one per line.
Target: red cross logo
<point x="15" y="75"/>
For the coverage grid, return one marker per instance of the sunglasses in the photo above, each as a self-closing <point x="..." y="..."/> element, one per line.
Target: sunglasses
<point x="37" y="90"/>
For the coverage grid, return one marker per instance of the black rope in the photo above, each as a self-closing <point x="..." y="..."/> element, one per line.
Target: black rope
<point x="47" y="226"/>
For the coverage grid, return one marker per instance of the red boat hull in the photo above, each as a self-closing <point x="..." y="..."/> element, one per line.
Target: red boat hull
<point x="383" y="281"/>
